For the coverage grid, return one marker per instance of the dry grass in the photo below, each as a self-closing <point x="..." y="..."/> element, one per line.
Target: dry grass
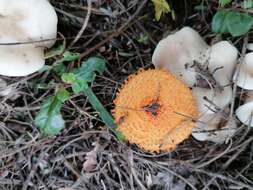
<point x="30" y="161"/>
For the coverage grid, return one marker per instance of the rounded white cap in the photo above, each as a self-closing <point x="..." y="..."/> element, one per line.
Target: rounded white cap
<point x="20" y="61"/>
<point x="244" y="114"/>
<point x="244" y="75"/>
<point x="25" y="21"/>
<point x="223" y="58"/>
<point x="177" y="51"/>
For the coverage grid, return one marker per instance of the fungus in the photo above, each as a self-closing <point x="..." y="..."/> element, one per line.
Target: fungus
<point x="26" y="26"/>
<point x="245" y="112"/>
<point x="155" y="110"/>
<point x="207" y="70"/>
<point x="244" y="78"/>
<point x="244" y="74"/>
<point x="214" y="127"/>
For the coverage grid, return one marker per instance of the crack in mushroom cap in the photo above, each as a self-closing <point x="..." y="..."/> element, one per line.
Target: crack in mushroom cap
<point x="154" y="110"/>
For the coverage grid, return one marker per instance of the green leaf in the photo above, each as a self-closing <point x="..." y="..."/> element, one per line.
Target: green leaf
<point x="224" y="2"/>
<point x="49" y="118"/>
<point x="88" y="68"/>
<point x="235" y="23"/>
<point x="62" y="95"/>
<point x="143" y="39"/>
<point x="239" y="23"/>
<point x="79" y="86"/>
<point x="80" y="78"/>
<point x="68" y="78"/>
<point x="55" y="51"/>
<point x="69" y="56"/>
<point x="161" y="7"/>
<point x="247" y="4"/>
<point x="219" y="22"/>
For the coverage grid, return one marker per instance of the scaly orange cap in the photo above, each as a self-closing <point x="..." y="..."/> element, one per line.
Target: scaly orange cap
<point x="155" y="110"/>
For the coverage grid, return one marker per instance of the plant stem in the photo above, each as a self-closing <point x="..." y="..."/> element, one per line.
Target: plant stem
<point x="103" y="113"/>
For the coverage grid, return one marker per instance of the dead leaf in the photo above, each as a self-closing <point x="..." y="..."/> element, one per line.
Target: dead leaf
<point x="91" y="159"/>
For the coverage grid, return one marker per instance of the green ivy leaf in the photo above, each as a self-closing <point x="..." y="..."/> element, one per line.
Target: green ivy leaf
<point x="239" y="23"/>
<point x="49" y="118"/>
<point x="219" y="22"/>
<point x="232" y="22"/>
<point x="224" y="2"/>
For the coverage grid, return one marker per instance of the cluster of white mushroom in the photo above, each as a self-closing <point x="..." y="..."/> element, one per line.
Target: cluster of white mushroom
<point x="208" y="71"/>
<point x="27" y="28"/>
<point x="244" y="79"/>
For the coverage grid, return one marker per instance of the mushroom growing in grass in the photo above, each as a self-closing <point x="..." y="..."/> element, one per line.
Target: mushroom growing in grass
<point x="27" y="28"/>
<point x="155" y="110"/>
<point x="207" y="70"/>
<point x="244" y="79"/>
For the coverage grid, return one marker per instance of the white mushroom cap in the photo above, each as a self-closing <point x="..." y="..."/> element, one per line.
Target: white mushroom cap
<point x="20" y="61"/>
<point x="177" y="50"/>
<point x="219" y="99"/>
<point x="250" y="46"/>
<point x="207" y="129"/>
<point x="244" y="75"/>
<point x="25" y="21"/>
<point x="245" y="114"/>
<point x="223" y="55"/>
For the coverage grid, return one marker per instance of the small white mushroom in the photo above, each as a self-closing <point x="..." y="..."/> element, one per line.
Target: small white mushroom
<point x="177" y="52"/>
<point x="245" y="111"/>
<point x="213" y="127"/>
<point x="25" y="21"/>
<point x="244" y="75"/>
<point x="250" y="46"/>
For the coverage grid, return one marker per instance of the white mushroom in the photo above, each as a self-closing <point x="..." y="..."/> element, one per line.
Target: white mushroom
<point x="177" y="52"/>
<point x="250" y="46"/>
<point x="25" y="21"/>
<point x="187" y="56"/>
<point x="207" y="129"/>
<point x="206" y="69"/>
<point x="210" y="100"/>
<point x="244" y="75"/>
<point x="245" y="111"/>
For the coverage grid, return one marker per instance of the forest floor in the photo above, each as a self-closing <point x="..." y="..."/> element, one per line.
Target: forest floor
<point x="125" y="33"/>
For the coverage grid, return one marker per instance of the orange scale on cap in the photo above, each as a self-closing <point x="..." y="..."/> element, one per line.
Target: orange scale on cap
<point x="154" y="110"/>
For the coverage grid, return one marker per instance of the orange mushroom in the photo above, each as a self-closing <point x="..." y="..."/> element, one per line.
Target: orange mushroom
<point x="155" y="110"/>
